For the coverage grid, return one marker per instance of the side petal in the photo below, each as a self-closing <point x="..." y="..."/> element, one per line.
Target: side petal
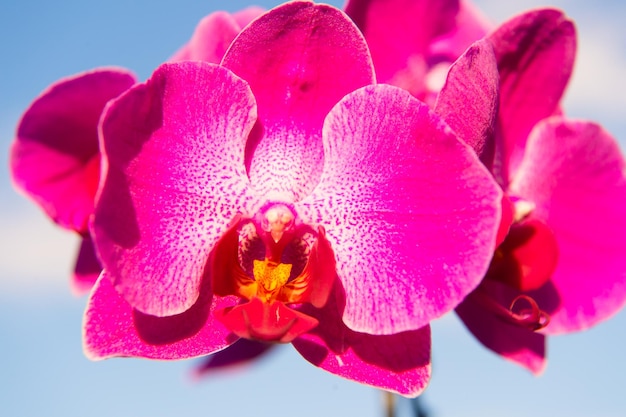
<point x="575" y="174"/>
<point x="174" y="180"/>
<point x="468" y="101"/>
<point x="409" y="210"/>
<point x="399" y="34"/>
<point x="54" y="158"/>
<point x="398" y="363"/>
<point x="518" y="344"/>
<point x="111" y="327"/>
<point x="300" y="59"/>
<point x="87" y="268"/>
<point x="535" y="53"/>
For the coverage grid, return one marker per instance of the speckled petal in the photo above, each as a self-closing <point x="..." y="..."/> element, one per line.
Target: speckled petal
<point x="410" y="212"/>
<point x="54" y="158"/>
<point x="535" y="53"/>
<point x="468" y="101"/>
<point x="574" y="173"/>
<point x="175" y="179"/>
<point x="300" y="59"/>
<point x="399" y="363"/>
<point x="111" y="327"/>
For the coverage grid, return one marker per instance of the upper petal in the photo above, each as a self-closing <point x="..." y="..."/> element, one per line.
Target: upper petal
<point x="300" y="60"/>
<point x="55" y="158"/>
<point x="214" y="34"/>
<point x="399" y="33"/>
<point x="468" y="101"/>
<point x="535" y="53"/>
<point x="575" y="174"/>
<point x="409" y="210"/>
<point x="399" y="363"/>
<point x="175" y="178"/>
<point x="111" y="327"/>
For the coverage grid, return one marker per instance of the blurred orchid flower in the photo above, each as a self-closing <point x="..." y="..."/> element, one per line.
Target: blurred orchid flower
<point x="284" y="197"/>
<point x="563" y="235"/>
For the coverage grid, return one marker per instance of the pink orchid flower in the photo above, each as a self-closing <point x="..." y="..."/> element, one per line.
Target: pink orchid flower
<point x="284" y="197"/>
<point x="414" y="42"/>
<point x="55" y="158"/>
<point x="562" y="259"/>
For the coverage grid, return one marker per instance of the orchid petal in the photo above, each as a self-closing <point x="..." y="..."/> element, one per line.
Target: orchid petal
<point x="574" y="173"/>
<point x="480" y="314"/>
<point x="240" y="353"/>
<point x="471" y="25"/>
<point x="399" y="32"/>
<point x="399" y="363"/>
<point x="88" y="267"/>
<point x="410" y="212"/>
<point x="112" y="328"/>
<point x="55" y="158"/>
<point x="300" y="59"/>
<point x="175" y="179"/>
<point x="535" y="53"/>
<point x="214" y="34"/>
<point x="468" y="102"/>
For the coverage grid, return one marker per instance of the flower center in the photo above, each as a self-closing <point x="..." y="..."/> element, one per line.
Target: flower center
<point x="270" y="262"/>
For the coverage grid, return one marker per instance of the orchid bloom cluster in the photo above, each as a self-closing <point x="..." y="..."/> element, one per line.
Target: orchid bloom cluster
<point x="335" y="180"/>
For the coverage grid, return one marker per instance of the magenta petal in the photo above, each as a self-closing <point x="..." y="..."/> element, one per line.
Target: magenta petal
<point x="515" y="343"/>
<point x="468" y="101"/>
<point x="240" y="353"/>
<point x="409" y="210"/>
<point x="574" y="173"/>
<point x="535" y="53"/>
<point x="175" y="179"/>
<point x="399" y="32"/>
<point x="88" y="267"/>
<point x="214" y="34"/>
<point x="112" y="328"/>
<point x="55" y="158"/>
<point x="399" y="363"/>
<point x="300" y="60"/>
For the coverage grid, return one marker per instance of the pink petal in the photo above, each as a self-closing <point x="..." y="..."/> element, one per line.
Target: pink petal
<point x="399" y="363"/>
<point x="239" y="354"/>
<point x="214" y="34"/>
<point x="468" y="101"/>
<point x="515" y="343"/>
<point x="574" y="173"/>
<point x="54" y="158"/>
<point x="87" y="269"/>
<point x="300" y="60"/>
<point x="399" y="33"/>
<point x="410" y="212"/>
<point x="175" y="179"/>
<point x="535" y="53"/>
<point x="112" y="328"/>
<point x="471" y="25"/>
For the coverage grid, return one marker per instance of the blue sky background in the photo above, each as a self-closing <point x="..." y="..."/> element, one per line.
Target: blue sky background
<point x="42" y="369"/>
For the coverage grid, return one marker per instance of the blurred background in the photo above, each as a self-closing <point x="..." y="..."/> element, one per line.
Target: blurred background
<point x="43" y="371"/>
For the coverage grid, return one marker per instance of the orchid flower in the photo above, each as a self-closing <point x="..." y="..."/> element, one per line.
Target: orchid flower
<point x="560" y="266"/>
<point x="283" y="197"/>
<point x="414" y="42"/>
<point x="55" y="158"/>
